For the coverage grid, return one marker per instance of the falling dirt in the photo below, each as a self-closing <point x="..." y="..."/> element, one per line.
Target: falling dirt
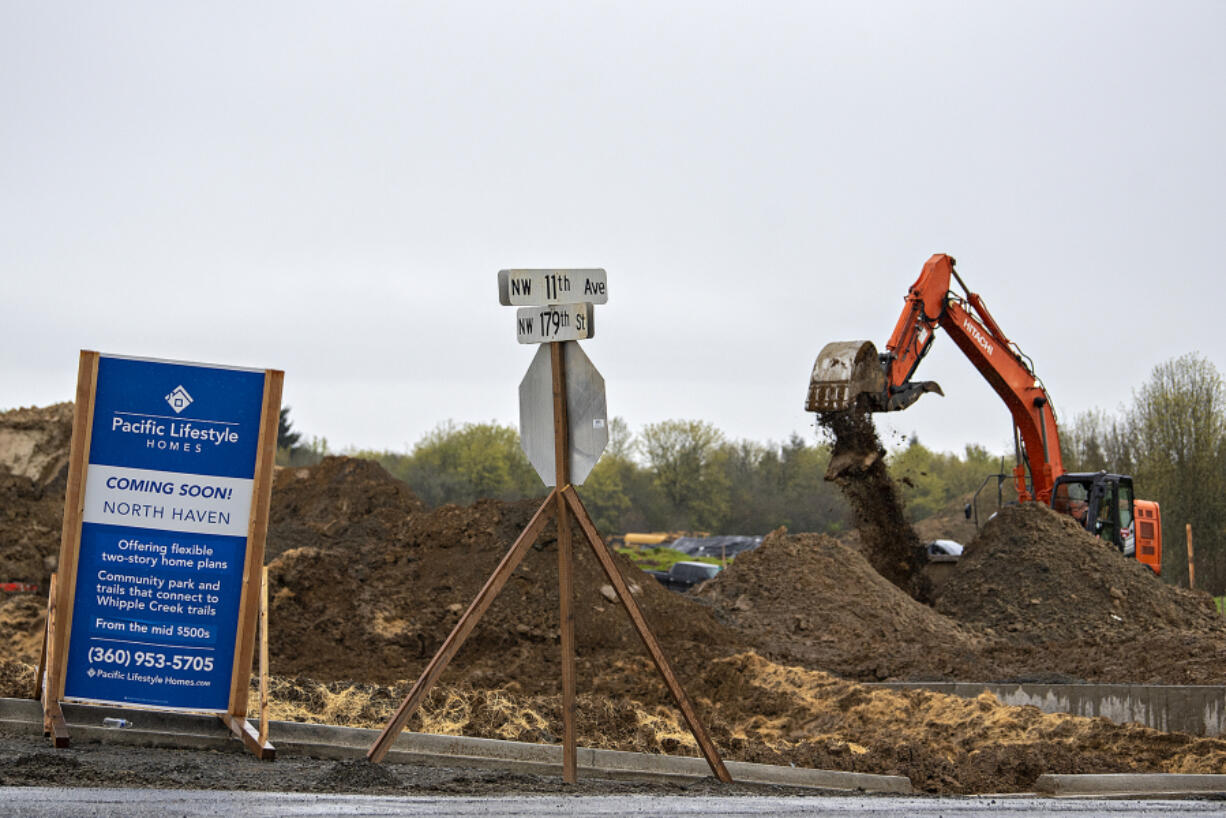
<point x="857" y="466"/>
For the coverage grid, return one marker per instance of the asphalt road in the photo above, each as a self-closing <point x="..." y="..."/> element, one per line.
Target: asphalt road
<point x="144" y="803"/>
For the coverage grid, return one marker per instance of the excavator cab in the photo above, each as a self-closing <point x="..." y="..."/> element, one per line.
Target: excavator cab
<point x="1104" y="505"/>
<point x="1101" y="503"/>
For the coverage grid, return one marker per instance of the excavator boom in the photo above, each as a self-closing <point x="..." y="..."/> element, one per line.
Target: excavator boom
<point x="852" y="375"/>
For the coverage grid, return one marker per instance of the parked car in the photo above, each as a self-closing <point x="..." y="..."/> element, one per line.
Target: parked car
<point x="720" y="546"/>
<point x="683" y="576"/>
<point x="941" y="548"/>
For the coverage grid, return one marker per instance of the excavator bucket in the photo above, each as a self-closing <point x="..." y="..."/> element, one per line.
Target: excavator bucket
<point x="844" y="371"/>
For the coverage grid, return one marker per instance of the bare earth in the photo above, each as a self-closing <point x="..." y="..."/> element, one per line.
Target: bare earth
<point x="366" y="584"/>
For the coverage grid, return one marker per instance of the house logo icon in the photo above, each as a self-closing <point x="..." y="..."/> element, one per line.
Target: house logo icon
<point x="179" y="399"/>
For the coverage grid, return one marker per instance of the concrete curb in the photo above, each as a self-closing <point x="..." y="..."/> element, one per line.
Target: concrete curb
<point x="1199" y="710"/>
<point x="1132" y="784"/>
<point x="151" y="728"/>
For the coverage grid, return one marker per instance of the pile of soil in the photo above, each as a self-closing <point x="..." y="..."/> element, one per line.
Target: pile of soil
<point x="1035" y="573"/>
<point x="342" y="500"/>
<point x="31" y="515"/>
<point x="21" y="625"/>
<point x="809" y="599"/>
<point x="857" y="466"/>
<point x="33" y="473"/>
<point x="372" y="591"/>
<point x="1065" y="606"/>
<point x="34" y="442"/>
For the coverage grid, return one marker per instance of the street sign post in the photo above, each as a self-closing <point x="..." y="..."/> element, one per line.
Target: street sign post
<point x="563" y="430"/>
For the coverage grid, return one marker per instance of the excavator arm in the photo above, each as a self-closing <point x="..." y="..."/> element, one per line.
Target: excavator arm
<point x="852" y="375"/>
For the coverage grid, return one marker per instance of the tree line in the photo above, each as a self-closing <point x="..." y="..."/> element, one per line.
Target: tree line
<point x="1172" y="440"/>
<point x="686" y="475"/>
<point x="676" y="475"/>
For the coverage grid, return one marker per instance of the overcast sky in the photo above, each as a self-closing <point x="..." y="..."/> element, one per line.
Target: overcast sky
<point x="330" y="189"/>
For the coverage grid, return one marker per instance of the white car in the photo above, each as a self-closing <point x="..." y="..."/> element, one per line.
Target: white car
<point x="944" y="548"/>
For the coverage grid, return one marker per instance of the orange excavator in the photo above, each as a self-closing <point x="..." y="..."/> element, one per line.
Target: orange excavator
<point x="853" y="376"/>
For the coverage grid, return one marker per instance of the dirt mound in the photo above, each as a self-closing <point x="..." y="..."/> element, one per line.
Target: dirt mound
<point x="1062" y="606"/>
<point x="31" y="516"/>
<point x="33" y="472"/>
<point x="372" y="596"/>
<point x="34" y="442"/>
<point x="342" y="499"/>
<point x="1036" y="575"/>
<point x="21" y="625"/>
<point x="857" y="466"/>
<point x="811" y="600"/>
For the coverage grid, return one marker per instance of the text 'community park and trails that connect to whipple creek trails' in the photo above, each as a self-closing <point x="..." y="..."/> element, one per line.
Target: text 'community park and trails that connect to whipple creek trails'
<point x="168" y="496"/>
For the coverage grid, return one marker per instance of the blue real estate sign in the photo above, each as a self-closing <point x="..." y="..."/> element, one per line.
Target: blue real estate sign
<point x="167" y="501"/>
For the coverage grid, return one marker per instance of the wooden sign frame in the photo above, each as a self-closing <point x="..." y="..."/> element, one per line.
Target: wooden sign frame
<point x="60" y="608"/>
